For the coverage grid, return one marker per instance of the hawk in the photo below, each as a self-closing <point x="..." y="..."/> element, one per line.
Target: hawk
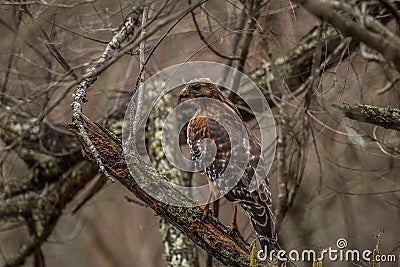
<point x="205" y="124"/>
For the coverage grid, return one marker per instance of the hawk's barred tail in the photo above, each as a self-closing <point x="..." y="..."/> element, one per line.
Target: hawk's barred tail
<point x="263" y="223"/>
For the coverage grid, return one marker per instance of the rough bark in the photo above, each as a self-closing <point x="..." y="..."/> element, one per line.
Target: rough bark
<point x="388" y="118"/>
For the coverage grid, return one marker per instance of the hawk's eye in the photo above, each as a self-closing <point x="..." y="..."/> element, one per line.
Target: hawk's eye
<point x="196" y="87"/>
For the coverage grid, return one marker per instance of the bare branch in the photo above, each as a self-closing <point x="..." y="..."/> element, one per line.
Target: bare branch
<point x="391" y="9"/>
<point x="371" y="32"/>
<point x="91" y="76"/>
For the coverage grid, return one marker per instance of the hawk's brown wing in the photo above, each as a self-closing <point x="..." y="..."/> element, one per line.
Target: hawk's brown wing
<point x="200" y="129"/>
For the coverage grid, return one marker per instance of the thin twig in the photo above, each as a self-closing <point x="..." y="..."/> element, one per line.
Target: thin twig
<point x="391" y="9"/>
<point x="371" y="32"/>
<point x="91" y="76"/>
<point x="135" y="116"/>
<point x="254" y="11"/>
<point x="387" y="87"/>
<point x="205" y="41"/>
<point x="240" y="24"/>
<point x="186" y="12"/>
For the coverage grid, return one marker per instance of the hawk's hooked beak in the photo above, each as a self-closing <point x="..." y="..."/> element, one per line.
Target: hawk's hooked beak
<point x="183" y="94"/>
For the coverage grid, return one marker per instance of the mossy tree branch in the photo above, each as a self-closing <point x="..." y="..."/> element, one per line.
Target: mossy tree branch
<point x="208" y="233"/>
<point x="45" y="210"/>
<point x="388" y="118"/>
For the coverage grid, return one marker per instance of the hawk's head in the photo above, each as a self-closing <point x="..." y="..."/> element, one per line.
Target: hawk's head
<point x="201" y="87"/>
<point x="204" y="87"/>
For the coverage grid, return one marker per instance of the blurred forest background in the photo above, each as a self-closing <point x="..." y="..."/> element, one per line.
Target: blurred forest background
<point x="333" y="177"/>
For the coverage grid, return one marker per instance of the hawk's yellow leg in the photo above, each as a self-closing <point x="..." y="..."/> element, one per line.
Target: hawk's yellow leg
<point x="206" y="208"/>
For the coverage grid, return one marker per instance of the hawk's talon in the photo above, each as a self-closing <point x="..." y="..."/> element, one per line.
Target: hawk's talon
<point x="206" y="209"/>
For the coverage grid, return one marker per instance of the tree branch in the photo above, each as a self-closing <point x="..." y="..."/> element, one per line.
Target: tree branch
<point x="360" y="26"/>
<point x="217" y="239"/>
<point x="48" y="208"/>
<point x="388" y="118"/>
<point x="391" y="9"/>
<point x="295" y="67"/>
